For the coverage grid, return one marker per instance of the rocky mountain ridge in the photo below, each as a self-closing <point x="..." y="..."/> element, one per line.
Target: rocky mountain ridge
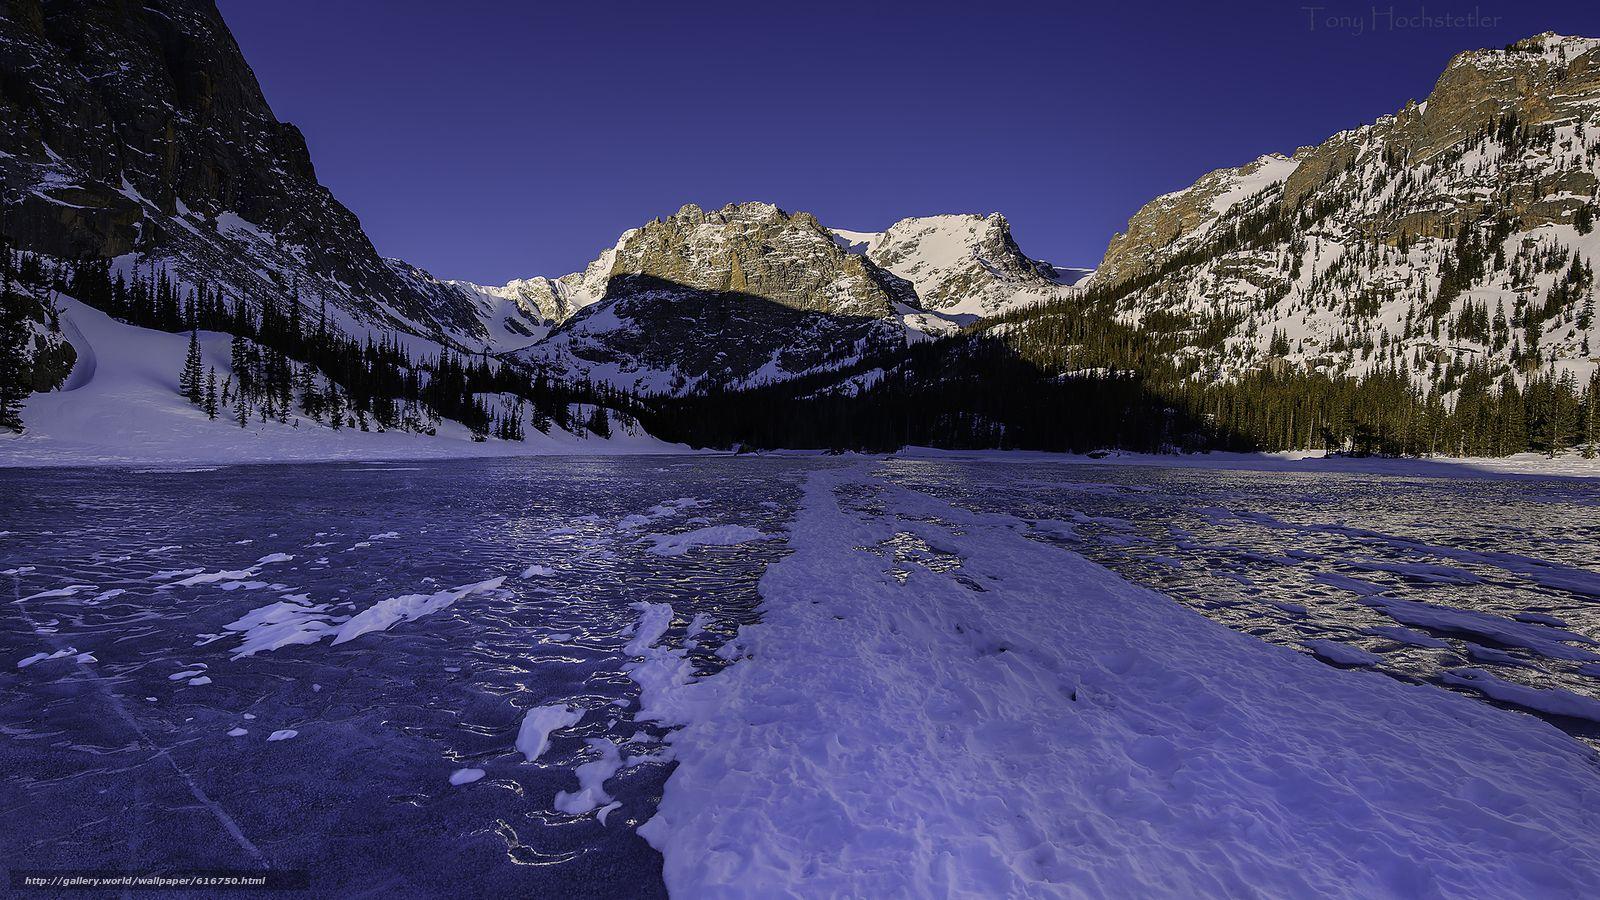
<point x="1456" y="233"/>
<point x="774" y="295"/>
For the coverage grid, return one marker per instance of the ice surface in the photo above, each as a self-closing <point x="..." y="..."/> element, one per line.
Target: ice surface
<point x="465" y="776"/>
<point x="1541" y="639"/>
<point x="68" y="591"/>
<point x="1408" y="636"/>
<point x="282" y="734"/>
<point x="1556" y="701"/>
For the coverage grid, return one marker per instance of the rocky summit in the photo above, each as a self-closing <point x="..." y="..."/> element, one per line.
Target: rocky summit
<point x="960" y="264"/>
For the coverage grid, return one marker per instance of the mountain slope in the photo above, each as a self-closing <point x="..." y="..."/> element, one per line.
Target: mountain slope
<point x="137" y="131"/>
<point x="1455" y="234"/>
<point x="751" y="294"/>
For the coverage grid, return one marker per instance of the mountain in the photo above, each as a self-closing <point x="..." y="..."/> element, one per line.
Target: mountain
<point x="741" y="295"/>
<point x="751" y="294"/>
<point x="147" y="189"/>
<point x="1454" y="234"/>
<point x="1420" y="284"/>
<point x="137" y="132"/>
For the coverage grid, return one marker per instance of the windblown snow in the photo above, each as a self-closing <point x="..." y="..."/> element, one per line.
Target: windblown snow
<point x="1039" y="727"/>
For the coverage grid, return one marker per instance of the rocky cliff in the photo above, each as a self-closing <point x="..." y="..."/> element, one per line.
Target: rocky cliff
<point x="137" y="131"/>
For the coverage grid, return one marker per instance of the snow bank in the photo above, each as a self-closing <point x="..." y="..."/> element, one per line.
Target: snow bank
<point x="592" y="776"/>
<point x="1040" y="727"/>
<point x="292" y="620"/>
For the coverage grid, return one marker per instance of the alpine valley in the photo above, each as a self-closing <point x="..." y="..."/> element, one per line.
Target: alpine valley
<point x="176" y="277"/>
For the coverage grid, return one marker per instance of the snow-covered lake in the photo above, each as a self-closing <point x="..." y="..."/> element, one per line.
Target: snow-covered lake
<point x="142" y="732"/>
<point x="428" y="676"/>
<point x="1421" y="578"/>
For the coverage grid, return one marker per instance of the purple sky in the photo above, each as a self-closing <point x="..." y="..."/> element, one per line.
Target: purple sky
<point x="489" y="140"/>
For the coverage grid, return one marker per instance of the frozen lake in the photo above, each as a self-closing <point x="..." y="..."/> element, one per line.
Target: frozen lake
<point x="401" y="619"/>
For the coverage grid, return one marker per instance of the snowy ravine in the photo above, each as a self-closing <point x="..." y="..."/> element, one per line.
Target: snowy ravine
<point x="1007" y="718"/>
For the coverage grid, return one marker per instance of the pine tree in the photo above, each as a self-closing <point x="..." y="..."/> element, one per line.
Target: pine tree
<point x="191" y="381"/>
<point x="211" y="393"/>
<point x="335" y="406"/>
<point x="599" y="422"/>
<point x="1591" y="417"/>
<point x="15" y="370"/>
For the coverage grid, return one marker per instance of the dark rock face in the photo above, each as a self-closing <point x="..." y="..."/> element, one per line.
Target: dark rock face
<point x="139" y="128"/>
<point x="656" y="336"/>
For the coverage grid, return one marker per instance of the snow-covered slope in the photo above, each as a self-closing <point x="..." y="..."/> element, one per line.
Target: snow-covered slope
<point x="1458" y="232"/>
<point x="120" y="405"/>
<point x="530" y="308"/>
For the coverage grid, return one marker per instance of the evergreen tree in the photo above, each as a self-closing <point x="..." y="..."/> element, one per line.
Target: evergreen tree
<point x="600" y="423"/>
<point x="191" y="381"/>
<point x="1591" y="417"/>
<point x="16" y="376"/>
<point x="211" y="393"/>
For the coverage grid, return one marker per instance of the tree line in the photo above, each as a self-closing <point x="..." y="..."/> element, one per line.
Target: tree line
<point x="1071" y="375"/>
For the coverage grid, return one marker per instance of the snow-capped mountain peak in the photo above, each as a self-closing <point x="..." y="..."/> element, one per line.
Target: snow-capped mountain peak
<point x="961" y="264"/>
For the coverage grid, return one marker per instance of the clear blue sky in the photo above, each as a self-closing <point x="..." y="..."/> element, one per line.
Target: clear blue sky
<point x="489" y="140"/>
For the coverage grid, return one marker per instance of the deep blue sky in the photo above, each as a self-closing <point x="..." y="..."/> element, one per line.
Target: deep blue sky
<point x="489" y="140"/>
